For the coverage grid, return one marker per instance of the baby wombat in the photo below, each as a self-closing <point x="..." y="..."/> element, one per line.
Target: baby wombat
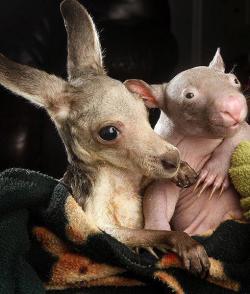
<point x="203" y="115"/>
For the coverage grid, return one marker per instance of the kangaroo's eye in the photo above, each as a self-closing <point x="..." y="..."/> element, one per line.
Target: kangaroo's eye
<point x="109" y="133"/>
<point x="189" y="95"/>
<point x="236" y="81"/>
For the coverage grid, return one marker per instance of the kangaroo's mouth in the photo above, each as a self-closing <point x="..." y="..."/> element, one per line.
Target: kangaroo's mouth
<point x="160" y="168"/>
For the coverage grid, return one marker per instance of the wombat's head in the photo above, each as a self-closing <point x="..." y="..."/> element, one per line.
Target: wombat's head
<point x="202" y="101"/>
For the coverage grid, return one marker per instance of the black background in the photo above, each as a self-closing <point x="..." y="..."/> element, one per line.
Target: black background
<point x="146" y="39"/>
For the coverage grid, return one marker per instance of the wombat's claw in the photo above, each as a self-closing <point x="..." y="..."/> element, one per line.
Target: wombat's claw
<point x="212" y="192"/>
<point x="197" y="184"/>
<point x="151" y="251"/>
<point x="202" y="189"/>
<point x="221" y="191"/>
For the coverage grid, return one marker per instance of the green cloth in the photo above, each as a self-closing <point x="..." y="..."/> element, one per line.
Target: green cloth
<point x="240" y="174"/>
<point x="20" y="190"/>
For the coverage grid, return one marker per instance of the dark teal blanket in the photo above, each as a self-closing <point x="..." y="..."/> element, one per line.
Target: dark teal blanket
<point x="46" y="242"/>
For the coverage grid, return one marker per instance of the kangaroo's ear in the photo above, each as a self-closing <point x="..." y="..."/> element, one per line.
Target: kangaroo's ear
<point x="84" y="50"/>
<point x="217" y="63"/>
<point x="153" y="95"/>
<point x="35" y="85"/>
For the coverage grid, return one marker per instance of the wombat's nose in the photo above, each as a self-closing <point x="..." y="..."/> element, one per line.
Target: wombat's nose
<point x="229" y="119"/>
<point x="233" y="109"/>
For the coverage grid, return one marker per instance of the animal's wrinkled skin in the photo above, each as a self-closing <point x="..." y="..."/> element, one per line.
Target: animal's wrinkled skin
<point x="203" y="114"/>
<point x="110" y="144"/>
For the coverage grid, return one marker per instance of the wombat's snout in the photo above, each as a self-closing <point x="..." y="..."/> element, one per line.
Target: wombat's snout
<point x="171" y="161"/>
<point x="233" y="109"/>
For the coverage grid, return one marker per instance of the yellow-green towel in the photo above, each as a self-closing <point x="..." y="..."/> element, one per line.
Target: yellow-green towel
<point x="240" y="174"/>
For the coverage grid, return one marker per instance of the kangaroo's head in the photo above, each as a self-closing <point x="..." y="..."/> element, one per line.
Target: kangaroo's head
<point x="98" y="118"/>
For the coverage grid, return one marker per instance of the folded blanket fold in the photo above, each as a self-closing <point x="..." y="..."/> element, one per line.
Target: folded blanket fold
<point x="47" y="243"/>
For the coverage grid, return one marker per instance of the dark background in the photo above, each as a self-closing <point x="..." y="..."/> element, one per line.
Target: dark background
<point x="146" y="39"/>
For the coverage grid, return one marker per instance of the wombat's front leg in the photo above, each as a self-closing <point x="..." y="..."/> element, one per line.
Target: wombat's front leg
<point x="193" y="254"/>
<point x="215" y="172"/>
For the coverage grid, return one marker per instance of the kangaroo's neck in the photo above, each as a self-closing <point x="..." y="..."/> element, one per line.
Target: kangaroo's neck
<point x="108" y="195"/>
<point x="115" y="198"/>
<point x="80" y="178"/>
<point x="84" y="180"/>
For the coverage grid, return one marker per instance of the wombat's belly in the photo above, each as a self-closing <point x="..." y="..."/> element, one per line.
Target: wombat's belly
<point x="198" y="215"/>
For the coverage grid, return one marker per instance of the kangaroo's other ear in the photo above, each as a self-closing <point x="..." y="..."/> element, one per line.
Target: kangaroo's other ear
<point x="84" y="50"/>
<point x="153" y="95"/>
<point x="35" y="85"/>
<point x="217" y="63"/>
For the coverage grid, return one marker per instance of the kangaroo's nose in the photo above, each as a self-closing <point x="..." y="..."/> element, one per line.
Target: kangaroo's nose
<point x="171" y="161"/>
<point x="169" y="165"/>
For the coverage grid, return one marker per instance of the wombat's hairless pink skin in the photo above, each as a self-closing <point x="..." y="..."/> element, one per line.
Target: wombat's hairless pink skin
<point x="203" y="114"/>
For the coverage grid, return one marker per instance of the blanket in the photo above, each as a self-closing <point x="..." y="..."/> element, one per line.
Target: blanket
<point x="48" y="244"/>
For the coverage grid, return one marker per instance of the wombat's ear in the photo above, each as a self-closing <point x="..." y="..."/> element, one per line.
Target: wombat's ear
<point x="153" y="95"/>
<point x="217" y="63"/>
<point x="84" y="50"/>
<point x="35" y="85"/>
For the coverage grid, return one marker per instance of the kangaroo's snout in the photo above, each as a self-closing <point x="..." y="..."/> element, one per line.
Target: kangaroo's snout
<point x="170" y="161"/>
<point x="169" y="165"/>
<point x="160" y="160"/>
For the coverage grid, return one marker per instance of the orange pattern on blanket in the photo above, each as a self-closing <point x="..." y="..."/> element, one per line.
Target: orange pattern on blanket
<point x="169" y="260"/>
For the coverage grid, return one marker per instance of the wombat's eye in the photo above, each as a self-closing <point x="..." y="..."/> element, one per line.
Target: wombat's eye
<point x="189" y="95"/>
<point x="108" y="133"/>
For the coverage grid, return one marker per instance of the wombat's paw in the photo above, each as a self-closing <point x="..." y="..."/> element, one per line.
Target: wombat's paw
<point x="213" y="176"/>
<point x="193" y="254"/>
<point x="186" y="176"/>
